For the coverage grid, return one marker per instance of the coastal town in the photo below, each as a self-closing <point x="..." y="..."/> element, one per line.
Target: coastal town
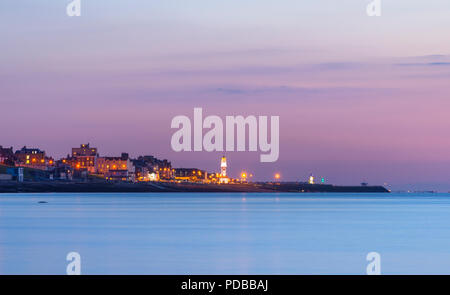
<point x="85" y="163"/>
<point x="85" y="170"/>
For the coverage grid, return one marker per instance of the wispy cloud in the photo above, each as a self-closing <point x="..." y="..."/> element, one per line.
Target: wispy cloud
<point x="287" y="93"/>
<point x="430" y="64"/>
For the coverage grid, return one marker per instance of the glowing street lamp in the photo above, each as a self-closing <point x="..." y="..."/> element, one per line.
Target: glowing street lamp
<point x="277" y="176"/>
<point x="243" y="176"/>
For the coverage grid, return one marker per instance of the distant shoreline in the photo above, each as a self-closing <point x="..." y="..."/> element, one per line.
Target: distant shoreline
<point x="162" y="187"/>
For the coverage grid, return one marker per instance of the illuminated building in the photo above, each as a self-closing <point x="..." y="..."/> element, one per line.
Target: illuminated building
<point x="165" y="171"/>
<point x="33" y="158"/>
<point x="143" y="174"/>
<point x="84" y="158"/>
<point x="116" y="168"/>
<point x="153" y="176"/>
<point x="213" y="177"/>
<point x="149" y="168"/>
<point x="190" y="175"/>
<point x="311" y="179"/>
<point x="223" y="171"/>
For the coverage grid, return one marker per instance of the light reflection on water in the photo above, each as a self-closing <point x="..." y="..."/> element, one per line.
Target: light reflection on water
<point x="224" y="233"/>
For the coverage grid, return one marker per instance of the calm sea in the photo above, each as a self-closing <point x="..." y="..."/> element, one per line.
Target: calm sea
<point x="225" y="233"/>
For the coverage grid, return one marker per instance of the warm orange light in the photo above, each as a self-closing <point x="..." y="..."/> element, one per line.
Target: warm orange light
<point x="243" y="175"/>
<point x="277" y="176"/>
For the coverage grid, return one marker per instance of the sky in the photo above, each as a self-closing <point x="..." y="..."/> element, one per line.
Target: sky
<point x="359" y="98"/>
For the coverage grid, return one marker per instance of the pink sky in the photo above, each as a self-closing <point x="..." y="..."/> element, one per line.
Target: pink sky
<point x="358" y="98"/>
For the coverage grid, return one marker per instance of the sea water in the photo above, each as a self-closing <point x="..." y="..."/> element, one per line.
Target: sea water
<point x="224" y="233"/>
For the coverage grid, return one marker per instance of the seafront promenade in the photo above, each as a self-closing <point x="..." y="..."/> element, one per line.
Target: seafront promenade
<point x="161" y="187"/>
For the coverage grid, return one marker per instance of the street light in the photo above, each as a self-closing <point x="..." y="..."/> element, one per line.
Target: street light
<point x="244" y="176"/>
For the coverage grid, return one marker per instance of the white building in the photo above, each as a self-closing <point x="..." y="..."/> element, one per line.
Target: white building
<point x="223" y="171"/>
